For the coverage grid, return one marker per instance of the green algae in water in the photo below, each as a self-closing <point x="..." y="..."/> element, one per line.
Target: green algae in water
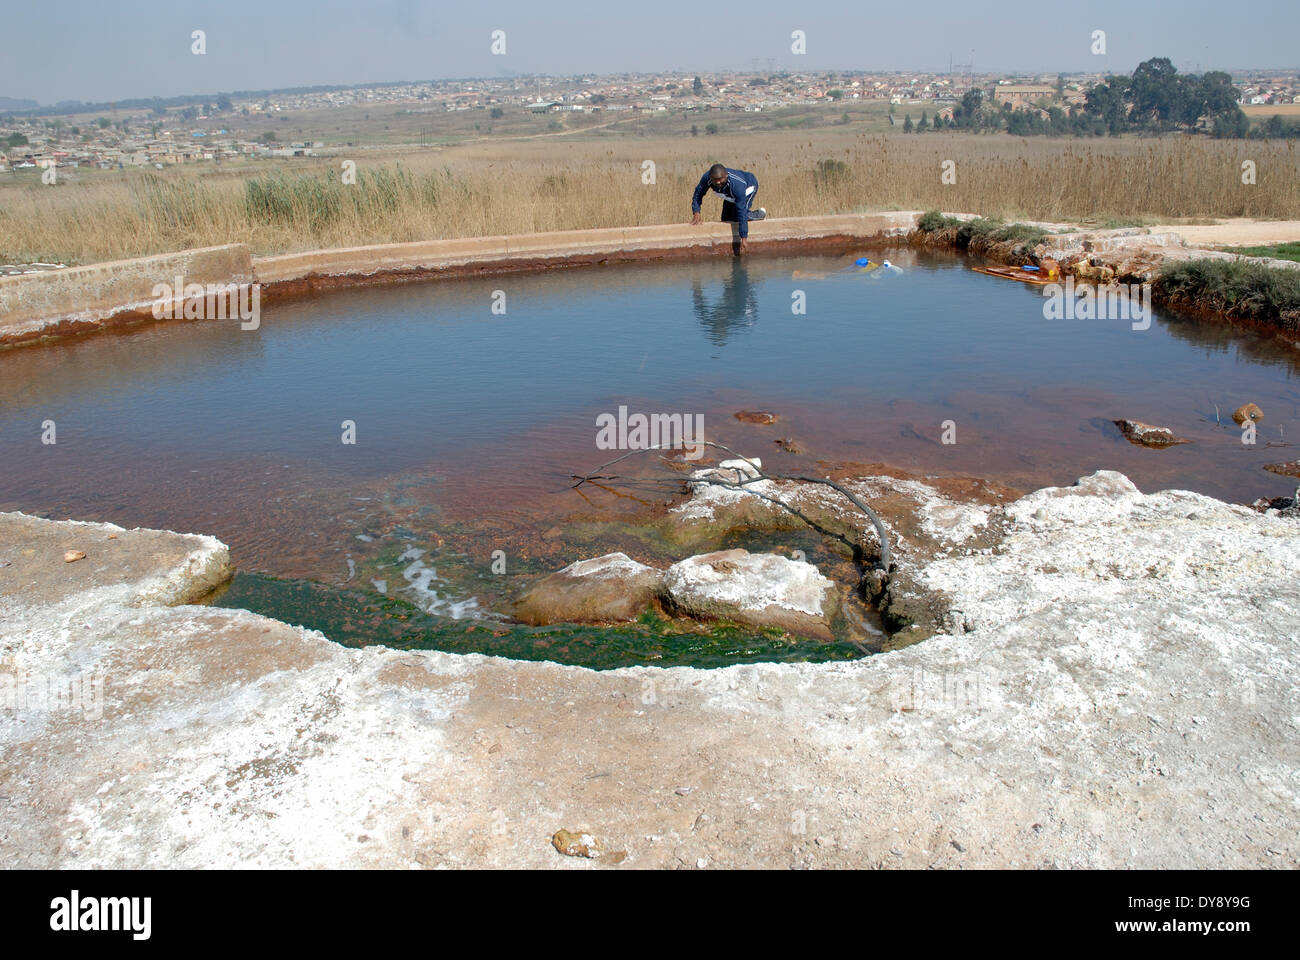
<point x="356" y="618"/>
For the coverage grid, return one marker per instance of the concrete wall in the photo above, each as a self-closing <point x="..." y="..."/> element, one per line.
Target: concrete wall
<point x="56" y="303"/>
<point x="616" y="243"/>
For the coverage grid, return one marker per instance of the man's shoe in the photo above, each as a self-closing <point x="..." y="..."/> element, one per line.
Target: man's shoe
<point x="759" y="214"/>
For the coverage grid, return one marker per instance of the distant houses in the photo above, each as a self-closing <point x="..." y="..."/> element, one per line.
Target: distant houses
<point x="1023" y="94"/>
<point x="137" y="140"/>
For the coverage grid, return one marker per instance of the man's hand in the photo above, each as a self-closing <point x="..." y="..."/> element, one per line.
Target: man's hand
<point x="695" y="219"/>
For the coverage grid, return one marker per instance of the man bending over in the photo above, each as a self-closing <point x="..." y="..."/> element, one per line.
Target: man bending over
<point x="737" y="189"/>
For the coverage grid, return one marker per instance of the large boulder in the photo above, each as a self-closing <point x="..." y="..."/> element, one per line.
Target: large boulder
<point x="760" y="589"/>
<point x="599" y="590"/>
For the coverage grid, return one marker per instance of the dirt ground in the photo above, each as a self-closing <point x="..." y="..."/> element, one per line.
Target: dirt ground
<point x="1238" y="232"/>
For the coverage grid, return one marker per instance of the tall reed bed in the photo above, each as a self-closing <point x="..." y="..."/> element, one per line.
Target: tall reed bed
<point x="507" y="187"/>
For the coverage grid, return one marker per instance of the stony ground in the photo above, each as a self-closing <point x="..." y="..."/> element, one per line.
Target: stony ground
<point x="1116" y="689"/>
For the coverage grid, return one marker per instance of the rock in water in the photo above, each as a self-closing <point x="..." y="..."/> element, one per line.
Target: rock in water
<point x="1290" y="468"/>
<point x="1146" y="435"/>
<point x="609" y="588"/>
<point x="731" y="471"/>
<point x="576" y="843"/>
<point x="73" y="555"/>
<point x="1247" y="411"/>
<point x="760" y="589"/>
<point x="755" y="416"/>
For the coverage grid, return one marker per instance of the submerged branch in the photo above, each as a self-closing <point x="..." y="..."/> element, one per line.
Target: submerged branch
<point x="882" y="565"/>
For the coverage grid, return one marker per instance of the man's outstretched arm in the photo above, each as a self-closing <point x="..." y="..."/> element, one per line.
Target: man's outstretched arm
<point x="700" y="189"/>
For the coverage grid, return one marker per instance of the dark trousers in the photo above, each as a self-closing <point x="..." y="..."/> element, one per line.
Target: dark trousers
<point x="729" y="209"/>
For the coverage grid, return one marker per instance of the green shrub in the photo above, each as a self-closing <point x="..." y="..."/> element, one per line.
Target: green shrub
<point x="1236" y="287"/>
<point x="985" y="232"/>
<point x="933" y="220"/>
<point x="1023" y="234"/>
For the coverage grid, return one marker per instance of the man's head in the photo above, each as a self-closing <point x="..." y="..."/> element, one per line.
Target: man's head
<point x="718" y="175"/>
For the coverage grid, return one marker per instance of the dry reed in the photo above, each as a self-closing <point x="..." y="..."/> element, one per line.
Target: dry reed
<point x="509" y="187"/>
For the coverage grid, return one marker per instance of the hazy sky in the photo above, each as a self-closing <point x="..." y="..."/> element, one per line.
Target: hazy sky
<point x="95" y="50"/>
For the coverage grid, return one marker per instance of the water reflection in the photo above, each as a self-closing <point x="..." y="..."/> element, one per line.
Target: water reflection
<point x="1266" y="347"/>
<point x="735" y="307"/>
<point x="124" y="362"/>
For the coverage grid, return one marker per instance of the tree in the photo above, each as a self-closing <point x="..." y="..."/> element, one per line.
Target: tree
<point x="1220" y="95"/>
<point x="1060" y="86"/>
<point x="269" y="137"/>
<point x="104" y="123"/>
<point x="835" y="94"/>
<point x="224" y="104"/>
<point x="924" y="123"/>
<point x="1232" y="126"/>
<point x="710" y="128"/>
<point x="970" y="112"/>
<point x="907" y="123"/>
<point x="695" y="131"/>
<point x="1156" y="92"/>
<point x="15" y="140"/>
<point x="1106" y="100"/>
<point x="697" y="87"/>
<point x="496" y="113"/>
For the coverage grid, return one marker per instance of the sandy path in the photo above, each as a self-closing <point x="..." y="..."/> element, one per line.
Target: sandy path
<point x="1236" y="232"/>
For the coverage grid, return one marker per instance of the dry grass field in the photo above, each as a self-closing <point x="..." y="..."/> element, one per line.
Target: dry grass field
<point x="1263" y="111"/>
<point x="573" y="181"/>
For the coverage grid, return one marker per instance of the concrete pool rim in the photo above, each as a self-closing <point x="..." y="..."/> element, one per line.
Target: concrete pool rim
<point x="53" y="305"/>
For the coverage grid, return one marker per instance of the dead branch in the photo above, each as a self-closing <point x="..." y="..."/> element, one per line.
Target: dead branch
<point x="882" y="566"/>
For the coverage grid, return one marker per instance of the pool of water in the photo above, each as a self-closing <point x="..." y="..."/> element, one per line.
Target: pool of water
<point x="470" y="422"/>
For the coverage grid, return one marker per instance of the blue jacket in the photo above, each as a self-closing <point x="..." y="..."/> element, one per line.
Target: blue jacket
<point x="739" y="189"/>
